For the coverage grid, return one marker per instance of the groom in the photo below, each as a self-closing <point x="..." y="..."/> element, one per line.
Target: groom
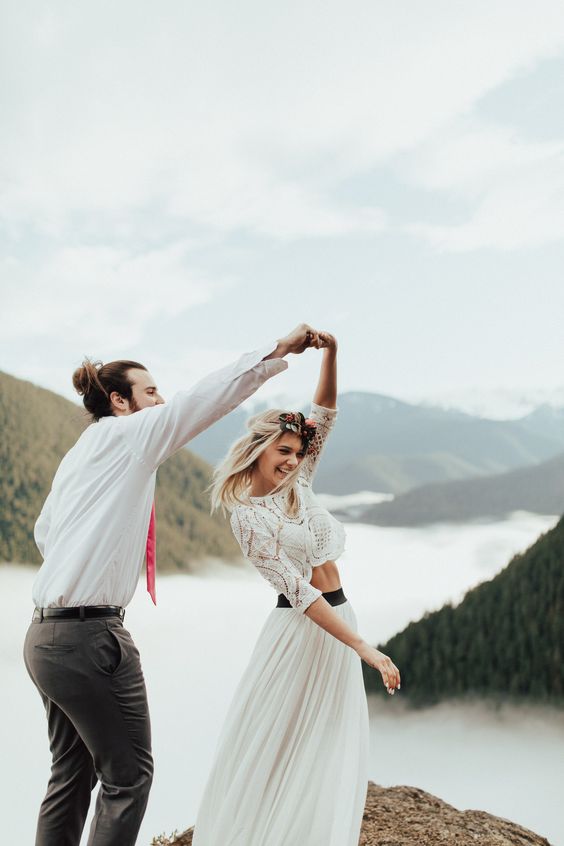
<point x="92" y="533"/>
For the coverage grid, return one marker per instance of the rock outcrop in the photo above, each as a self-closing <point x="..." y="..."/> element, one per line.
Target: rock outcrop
<point x="407" y="816"/>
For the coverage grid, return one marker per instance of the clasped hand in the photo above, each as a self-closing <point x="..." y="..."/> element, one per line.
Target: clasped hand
<point x="304" y="337"/>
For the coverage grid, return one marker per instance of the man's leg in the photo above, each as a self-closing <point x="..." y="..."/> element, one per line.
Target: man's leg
<point x="118" y="733"/>
<point x="65" y="807"/>
<point x="91" y="670"/>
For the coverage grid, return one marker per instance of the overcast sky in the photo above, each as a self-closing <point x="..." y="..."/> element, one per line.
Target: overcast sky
<point x="184" y="181"/>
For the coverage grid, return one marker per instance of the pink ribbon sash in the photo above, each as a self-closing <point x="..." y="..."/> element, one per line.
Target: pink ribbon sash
<point x="151" y="555"/>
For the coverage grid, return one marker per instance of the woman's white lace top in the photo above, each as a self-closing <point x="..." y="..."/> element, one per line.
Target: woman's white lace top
<point x="285" y="549"/>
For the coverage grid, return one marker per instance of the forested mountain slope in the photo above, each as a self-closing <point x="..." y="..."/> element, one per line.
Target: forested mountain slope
<point x="38" y="427"/>
<point x="538" y="488"/>
<point x="505" y="639"/>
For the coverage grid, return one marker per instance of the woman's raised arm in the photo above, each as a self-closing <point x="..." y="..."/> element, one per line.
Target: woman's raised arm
<point x="326" y="391"/>
<point x="324" y="405"/>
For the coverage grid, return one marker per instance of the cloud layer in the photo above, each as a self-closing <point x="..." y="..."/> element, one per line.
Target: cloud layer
<point x="161" y="162"/>
<point x="243" y="117"/>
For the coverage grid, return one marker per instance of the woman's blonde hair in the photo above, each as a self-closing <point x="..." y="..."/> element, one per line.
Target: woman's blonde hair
<point x="231" y="481"/>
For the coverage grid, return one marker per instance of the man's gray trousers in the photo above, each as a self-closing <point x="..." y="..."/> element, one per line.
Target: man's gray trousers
<point x="89" y="676"/>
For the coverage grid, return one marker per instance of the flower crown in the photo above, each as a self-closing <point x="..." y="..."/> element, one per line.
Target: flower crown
<point x="294" y="421"/>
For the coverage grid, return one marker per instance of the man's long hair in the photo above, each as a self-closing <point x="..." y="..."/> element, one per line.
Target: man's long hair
<point x="95" y="382"/>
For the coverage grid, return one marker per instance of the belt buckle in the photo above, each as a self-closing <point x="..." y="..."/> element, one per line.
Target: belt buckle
<point x="122" y="614"/>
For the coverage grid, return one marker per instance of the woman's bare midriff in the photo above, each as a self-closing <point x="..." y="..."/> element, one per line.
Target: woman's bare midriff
<point x="326" y="577"/>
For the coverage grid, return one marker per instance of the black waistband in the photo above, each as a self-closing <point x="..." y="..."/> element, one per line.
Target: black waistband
<point x="80" y="612"/>
<point x="333" y="597"/>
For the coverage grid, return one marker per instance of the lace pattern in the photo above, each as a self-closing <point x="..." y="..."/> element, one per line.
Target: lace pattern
<point x="285" y="548"/>
<point x="325" y="419"/>
<point x="261" y="545"/>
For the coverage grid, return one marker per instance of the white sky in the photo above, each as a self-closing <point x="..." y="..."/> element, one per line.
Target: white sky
<point x="183" y="182"/>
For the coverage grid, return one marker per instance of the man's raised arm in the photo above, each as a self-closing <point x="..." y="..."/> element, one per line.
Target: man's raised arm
<point x="156" y="433"/>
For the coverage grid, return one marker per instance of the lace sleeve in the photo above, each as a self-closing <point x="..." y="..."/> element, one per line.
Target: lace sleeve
<point x="261" y="546"/>
<point x="325" y="419"/>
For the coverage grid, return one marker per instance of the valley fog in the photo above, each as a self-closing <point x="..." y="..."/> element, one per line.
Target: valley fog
<point x="195" y="644"/>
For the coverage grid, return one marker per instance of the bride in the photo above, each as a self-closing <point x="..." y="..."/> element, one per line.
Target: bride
<point x="291" y="764"/>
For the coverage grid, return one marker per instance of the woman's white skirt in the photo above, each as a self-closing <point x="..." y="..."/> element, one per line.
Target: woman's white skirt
<point x="291" y="764"/>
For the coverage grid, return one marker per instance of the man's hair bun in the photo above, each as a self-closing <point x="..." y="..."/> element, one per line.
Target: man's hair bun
<point x="95" y="382"/>
<point x="85" y="377"/>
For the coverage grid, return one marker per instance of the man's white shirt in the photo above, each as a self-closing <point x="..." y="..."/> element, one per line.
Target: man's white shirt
<point x="92" y="529"/>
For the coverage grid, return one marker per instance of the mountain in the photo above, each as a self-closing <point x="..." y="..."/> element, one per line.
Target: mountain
<point x="546" y="420"/>
<point x="385" y="445"/>
<point x="38" y="428"/>
<point x="539" y="489"/>
<point x="505" y="639"/>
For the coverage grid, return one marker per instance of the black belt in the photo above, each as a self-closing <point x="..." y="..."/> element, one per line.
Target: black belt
<point x="333" y="597"/>
<point x="79" y="612"/>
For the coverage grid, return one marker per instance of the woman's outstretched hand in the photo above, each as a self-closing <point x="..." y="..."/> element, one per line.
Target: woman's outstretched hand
<point x="386" y="667"/>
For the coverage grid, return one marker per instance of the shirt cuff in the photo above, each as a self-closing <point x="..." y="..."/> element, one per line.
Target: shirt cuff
<point x="254" y="361"/>
<point x="273" y="365"/>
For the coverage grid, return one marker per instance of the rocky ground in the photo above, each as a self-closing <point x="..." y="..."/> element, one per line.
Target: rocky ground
<point x="407" y="816"/>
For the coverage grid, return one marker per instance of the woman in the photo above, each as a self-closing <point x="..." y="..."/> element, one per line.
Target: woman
<point x="291" y="765"/>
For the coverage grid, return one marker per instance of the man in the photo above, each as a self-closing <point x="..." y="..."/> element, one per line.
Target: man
<point x="92" y="533"/>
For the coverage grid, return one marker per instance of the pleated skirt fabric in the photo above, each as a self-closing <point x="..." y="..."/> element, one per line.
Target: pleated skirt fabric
<point x="291" y="765"/>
